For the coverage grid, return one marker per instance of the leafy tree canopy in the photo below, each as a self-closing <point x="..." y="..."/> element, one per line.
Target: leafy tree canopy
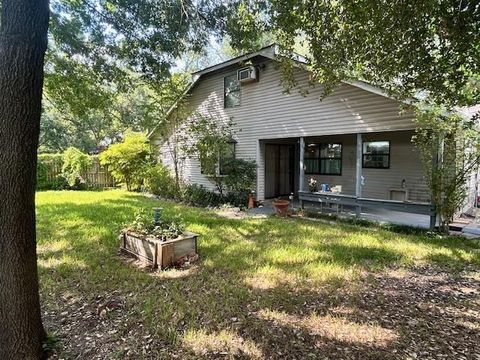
<point x="145" y="36"/>
<point x="108" y="65"/>
<point x="410" y="47"/>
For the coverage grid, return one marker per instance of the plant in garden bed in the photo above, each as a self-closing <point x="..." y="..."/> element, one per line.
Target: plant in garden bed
<point x="159" y="241"/>
<point x="165" y="228"/>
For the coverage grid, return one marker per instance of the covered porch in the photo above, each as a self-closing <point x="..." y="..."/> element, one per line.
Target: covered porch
<point x="378" y="175"/>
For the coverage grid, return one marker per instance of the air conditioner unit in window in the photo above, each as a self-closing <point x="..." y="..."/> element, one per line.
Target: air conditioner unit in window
<point x="247" y="74"/>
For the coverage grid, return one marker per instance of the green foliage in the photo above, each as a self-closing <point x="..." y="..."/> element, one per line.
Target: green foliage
<point x="128" y="159"/>
<point x="168" y="227"/>
<point x="241" y="175"/>
<point x="50" y="164"/>
<point x="159" y="181"/>
<point x="108" y="66"/>
<point x="75" y="164"/>
<point x="450" y="151"/>
<point x="146" y="36"/>
<point x="209" y="140"/>
<point x="199" y="195"/>
<point x="403" y="46"/>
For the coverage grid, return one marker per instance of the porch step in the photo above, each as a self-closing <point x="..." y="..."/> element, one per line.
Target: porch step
<point x="456" y="227"/>
<point x="473" y="228"/>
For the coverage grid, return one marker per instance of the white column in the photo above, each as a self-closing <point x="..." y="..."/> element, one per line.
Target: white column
<point x="259" y="168"/>
<point x="358" y="172"/>
<point x="301" y="173"/>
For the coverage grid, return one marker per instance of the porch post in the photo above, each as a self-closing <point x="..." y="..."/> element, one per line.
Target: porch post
<point x="437" y="159"/>
<point x="433" y="218"/>
<point x="301" y="172"/>
<point x="358" y="172"/>
<point x="258" y="161"/>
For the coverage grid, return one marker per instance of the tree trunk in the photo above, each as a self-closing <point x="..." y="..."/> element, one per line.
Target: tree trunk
<point x="23" y="42"/>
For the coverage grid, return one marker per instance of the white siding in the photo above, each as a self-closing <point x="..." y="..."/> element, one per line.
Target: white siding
<point x="267" y="113"/>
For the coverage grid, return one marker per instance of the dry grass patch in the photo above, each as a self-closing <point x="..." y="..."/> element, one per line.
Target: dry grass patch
<point x="220" y="343"/>
<point x="334" y="328"/>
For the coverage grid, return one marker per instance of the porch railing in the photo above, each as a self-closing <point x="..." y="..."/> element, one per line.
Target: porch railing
<point x="358" y="202"/>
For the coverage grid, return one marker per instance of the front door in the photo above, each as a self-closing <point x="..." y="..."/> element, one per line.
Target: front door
<point x="279" y="169"/>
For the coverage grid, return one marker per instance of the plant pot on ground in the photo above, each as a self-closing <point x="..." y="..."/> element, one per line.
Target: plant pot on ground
<point x="281" y="207"/>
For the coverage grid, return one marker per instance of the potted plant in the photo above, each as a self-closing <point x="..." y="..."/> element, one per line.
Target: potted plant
<point x="312" y="185"/>
<point x="281" y="206"/>
<point x="158" y="240"/>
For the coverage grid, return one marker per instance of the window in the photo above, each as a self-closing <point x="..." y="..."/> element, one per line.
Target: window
<point x="323" y="159"/>
<point x="224" y="161"/>
<point x="206" y="167"/>
<point x="231" y="91"/>
<point x="222" y="167"/>
<point x="376" y="154"/>
<point x="312" y="157"/>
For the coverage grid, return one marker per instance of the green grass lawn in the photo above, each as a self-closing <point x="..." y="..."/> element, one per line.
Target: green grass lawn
<point x="264" y="288"/>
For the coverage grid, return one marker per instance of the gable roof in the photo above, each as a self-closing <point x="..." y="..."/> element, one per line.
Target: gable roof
<point x="271" y="52"/>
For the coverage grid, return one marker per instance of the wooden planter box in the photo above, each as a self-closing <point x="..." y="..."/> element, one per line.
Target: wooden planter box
<point x="157" y="253"/>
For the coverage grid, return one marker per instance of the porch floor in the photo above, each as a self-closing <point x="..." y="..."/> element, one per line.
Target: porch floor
<point x="378" y="215"/>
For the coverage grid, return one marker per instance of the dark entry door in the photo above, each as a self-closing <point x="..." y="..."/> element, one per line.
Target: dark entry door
<point x="279" y="169"/>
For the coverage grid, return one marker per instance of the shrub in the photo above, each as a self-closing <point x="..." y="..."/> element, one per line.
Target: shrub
<point x="75" y="164"/>
<point x="237" y="198"/>
<point x="127" y="160"/>
<point x="49" y="166"/>
<point x="159" y="181"/>
<point x="199" y="195"/>
<point x="42" y="175"/>
<point x="59" y="182"/>
<point x="240" y="176"/>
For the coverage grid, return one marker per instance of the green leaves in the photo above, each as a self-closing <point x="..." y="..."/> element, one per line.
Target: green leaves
<point x="449" y="149"/>
<point x="144" y="36"/>
<point x="403" y="46"/>
<point x="75" y="163"/>
<point x="127" y="160"/>
<point x="169" y="227"/>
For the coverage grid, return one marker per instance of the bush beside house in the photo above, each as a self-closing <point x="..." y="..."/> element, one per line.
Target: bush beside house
<point x="237" y="185"/>
<point x="159" y="181"/>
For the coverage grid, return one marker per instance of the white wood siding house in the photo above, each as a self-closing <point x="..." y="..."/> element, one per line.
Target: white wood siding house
<point x="275" y="129"/>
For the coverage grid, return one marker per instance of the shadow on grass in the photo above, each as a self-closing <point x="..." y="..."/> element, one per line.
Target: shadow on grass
<point x="267" y="288"/>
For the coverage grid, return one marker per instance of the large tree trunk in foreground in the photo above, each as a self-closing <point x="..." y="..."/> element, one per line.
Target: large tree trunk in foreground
<point x="23" y="40"/>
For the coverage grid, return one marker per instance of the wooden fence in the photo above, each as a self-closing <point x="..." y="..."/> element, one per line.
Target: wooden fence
<point x="97" y="176"/>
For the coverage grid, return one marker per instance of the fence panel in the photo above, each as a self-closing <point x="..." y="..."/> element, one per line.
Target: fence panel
<point x="97" y="176"/>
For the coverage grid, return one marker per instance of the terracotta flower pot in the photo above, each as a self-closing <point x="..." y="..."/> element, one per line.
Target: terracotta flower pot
<point x="281" y="207"/>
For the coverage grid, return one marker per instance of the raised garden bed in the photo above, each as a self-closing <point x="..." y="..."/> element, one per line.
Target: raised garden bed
<point x="160" y="253"/>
